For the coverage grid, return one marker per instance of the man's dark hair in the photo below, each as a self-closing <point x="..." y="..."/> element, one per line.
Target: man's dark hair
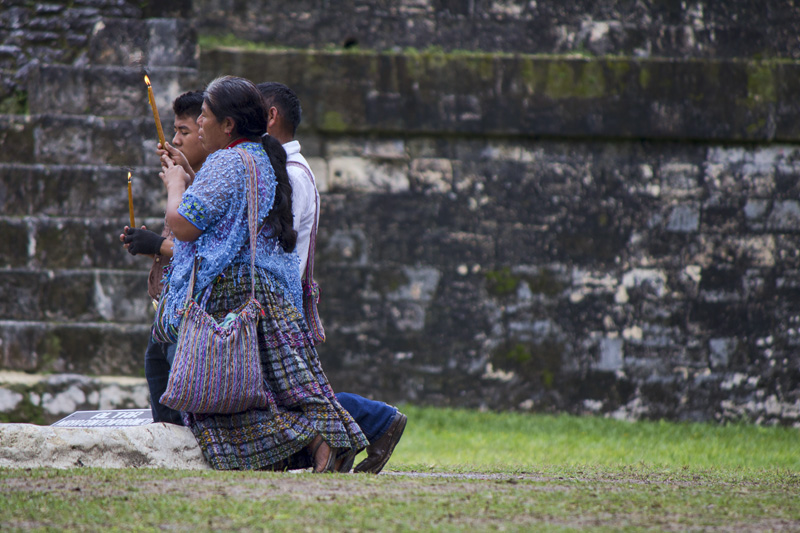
<point x="188" y="105"/>
<point x="279" y="95"/>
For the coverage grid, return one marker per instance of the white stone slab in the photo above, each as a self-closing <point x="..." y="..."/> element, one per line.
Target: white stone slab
<point x="157" y="445"/>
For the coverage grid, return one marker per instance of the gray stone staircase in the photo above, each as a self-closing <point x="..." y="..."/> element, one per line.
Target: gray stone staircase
<point x="74" y="311"/>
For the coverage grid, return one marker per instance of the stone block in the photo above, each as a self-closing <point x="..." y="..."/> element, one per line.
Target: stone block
<point x="151" y="446"/>
<point x="14" y="244"/>
<point x="785" y="216"/>
<point x="22" y="295"/>
<point x="80" y="191"/>
<point x="363" y="175"/>
<point x="59" y="90"/>
<point x="122" y="297"/>
<point x="533" y="95"/>
<point x="84" y="348"/>
<point x="17" y="138"/>
<point x="171" y="42"/>
<point x="684" y="219"/>
<point x="319" y="167"/>
<point x="611" y="355"/>
<point x="121" y="42"/>
<point x="433" y="175"/>
<point x="76" y="296"/>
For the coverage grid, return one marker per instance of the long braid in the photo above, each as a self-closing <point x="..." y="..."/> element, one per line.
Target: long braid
<point x="240" y="100"/>
<point x="280" y="216"/>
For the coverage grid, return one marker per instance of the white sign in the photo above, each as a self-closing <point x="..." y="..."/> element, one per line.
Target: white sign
<point x="113" y="418"/>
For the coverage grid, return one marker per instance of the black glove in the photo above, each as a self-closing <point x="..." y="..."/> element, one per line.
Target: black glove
<point x="142" y="241"/>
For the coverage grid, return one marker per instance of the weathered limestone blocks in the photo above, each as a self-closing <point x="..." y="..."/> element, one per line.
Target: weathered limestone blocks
<point x="93" y="348"/>
<point x="94" y="32"/>
<point x="78" y="192"/>
<point x="44" y="399"/>
<point x="106" y="91"/>
<point x="478" y="93"/>
<point x="698" y="29"/>
<point x="149" y="446"/>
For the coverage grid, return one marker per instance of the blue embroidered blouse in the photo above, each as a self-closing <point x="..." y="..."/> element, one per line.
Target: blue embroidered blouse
<point x="216" y="204"/>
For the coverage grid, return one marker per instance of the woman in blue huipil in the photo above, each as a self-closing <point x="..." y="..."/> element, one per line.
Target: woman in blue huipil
<point x="303" y="425"/>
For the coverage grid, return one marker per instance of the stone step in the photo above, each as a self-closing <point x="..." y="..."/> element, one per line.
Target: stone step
<point x="45" y="398"/>
<point x="78" y="140"/>
<point x="91" y="348"/>
<point x="155" y="42"/>
<point x="75" y="296"/>
<point x="79" y="191"/>
<point x="561" y="96"/>
<point x="69" y="242"/>
<point x="17" y="138"/>
<point x="108" y="91"/>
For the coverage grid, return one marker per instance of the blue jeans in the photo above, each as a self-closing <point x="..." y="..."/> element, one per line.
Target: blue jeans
<point x="157" y="362"/>
<point x="374" y="418"/>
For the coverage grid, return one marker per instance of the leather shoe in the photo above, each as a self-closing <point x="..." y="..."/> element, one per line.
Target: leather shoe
<point x="379" y="452"/>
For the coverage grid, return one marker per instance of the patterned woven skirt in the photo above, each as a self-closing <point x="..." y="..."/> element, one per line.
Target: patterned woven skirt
<point x="301" y="401"/>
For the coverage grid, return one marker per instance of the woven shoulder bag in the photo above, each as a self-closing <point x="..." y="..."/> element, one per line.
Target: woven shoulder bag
<point x="217" y="367"/>
<point x="310" y="287"/>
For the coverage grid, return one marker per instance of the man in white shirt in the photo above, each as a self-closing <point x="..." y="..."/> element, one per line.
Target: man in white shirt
<point x="382" y="424"/>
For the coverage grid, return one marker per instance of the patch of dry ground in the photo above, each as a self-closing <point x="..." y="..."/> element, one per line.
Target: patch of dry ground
<point x="477" y="491"/>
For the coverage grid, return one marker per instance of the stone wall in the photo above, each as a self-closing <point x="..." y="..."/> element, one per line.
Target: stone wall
<point x="630" y="28"/>
<point x="609" y="234"/>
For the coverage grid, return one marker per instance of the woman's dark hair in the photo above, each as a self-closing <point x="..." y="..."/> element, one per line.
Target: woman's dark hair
<point x="239" y="99"/>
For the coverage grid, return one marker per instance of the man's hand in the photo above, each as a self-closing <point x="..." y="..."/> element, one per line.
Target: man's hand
<point x="141" y="241"/>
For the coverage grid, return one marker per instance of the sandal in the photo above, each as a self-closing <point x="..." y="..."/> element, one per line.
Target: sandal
<point x="345" y="459"/>
<point x="328" y="466"/>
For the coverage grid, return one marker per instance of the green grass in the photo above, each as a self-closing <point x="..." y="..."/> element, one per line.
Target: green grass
<point x="455" y="470"/>
<point x="444" y="439"/>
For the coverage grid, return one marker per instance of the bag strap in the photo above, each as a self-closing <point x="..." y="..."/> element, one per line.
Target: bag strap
<point x="252" y="221"/>
<point x="308" y="275"/>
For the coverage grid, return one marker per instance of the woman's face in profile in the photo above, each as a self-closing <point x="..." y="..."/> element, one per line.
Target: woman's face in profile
<point x="212" y="132"/>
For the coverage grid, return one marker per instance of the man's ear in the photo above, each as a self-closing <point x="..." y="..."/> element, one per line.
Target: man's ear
<point x="272" y="117"/>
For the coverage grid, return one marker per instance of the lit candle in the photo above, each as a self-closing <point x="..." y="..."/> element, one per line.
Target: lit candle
<point x="155" y="112"/>
<point x="130" y="201"/>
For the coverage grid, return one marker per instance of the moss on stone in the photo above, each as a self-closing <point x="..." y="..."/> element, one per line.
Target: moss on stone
<point x="527" y="73"/>
<point x="25" y="412"/>
<point x="619" y="68"/>
<point x="49" y="349"/>
<point x="387" y="281"/>
<point x="15" y="104"/>
<point x="501" y="282"/>
<point x="545" y="282"/>
<point x="333" y="121"/>
<point x="531" y="361"/>
<point x="755" y="127"/>
<point x="485" y="67"/>
<point x="761" y="84"/>
<point x="559" y="80"/>
<point x="644" y="77"/>
<point x="575" y="79"/>
<point x="229" y="40"/>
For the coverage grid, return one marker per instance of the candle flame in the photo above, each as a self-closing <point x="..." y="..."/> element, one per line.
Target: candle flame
<point x="147" y="80"/>
<point x="129" y="176"/>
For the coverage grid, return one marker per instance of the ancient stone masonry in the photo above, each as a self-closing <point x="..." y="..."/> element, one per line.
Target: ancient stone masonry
<point x="584" y="207"/>
<point x="628" y="28"/>
<point x="75" y="120"/>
